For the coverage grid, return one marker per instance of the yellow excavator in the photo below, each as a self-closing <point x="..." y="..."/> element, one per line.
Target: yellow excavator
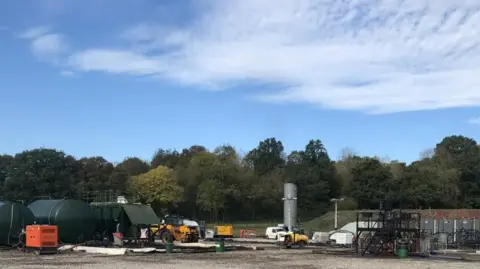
<point x="174" y="227"/>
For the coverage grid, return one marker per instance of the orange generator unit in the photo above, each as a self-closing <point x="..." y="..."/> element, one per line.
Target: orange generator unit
<point x="42" y="239"/>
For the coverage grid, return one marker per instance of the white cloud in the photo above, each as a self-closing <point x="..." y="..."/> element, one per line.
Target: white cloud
<point x="49" y="45"/>
<point x="115" y="61"/>
<point x="67" y="73"/>
<point x="35" y="32"/>
<point x="370" y="55"/>
<point x="474" y="120"/>
<point x="45" y="44"/>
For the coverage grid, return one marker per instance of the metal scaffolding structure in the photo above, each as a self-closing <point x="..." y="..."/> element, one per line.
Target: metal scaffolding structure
<point x="383" y="231"/>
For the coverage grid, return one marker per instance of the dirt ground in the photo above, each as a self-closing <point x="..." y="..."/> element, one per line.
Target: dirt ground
<point x="278" y="259"/>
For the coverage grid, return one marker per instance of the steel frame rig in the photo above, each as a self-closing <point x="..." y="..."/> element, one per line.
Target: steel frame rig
<point x="381" y="231"/>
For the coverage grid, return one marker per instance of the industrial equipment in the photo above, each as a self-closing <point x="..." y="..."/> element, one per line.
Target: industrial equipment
<point x="386" y="229"/>
<point x="132" y="221"/>
<point x="293" y="238"/>
<point x="175" y="226"/>
<point x="290" y="206"/>
<point x="42" y="239"/>
<point x="14" y="217"/>
<point x="223" y="231"/>
<point x="74" y="218"/>
<point x="292" y="234"/>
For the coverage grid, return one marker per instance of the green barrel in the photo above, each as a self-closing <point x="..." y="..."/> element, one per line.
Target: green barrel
<point x="74" y="218"/>
<point x="169" y="247"/>
<point x="402" y="250"/>
<point x="14" y="217"/>
<point x="220" y="246"/>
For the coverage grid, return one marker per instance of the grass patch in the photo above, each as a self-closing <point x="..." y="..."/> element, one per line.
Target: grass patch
<point x="326" y="222"/>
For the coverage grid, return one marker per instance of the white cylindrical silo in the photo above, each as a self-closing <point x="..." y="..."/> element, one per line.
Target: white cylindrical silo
<point x="290" y="206"/>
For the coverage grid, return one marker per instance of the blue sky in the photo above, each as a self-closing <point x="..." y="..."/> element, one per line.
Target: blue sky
<point x="122" y="78"/>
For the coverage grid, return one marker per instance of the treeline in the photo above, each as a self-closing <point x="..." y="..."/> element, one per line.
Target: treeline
<point x="223" y="186"/>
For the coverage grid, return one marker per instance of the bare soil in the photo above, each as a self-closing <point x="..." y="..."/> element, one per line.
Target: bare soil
<point x="272" y="258"/>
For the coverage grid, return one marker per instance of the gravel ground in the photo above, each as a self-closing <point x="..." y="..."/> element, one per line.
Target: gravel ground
<point x="278" y="259"/>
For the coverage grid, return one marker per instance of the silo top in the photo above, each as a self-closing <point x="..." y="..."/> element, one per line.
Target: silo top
<point x="290" y="190"/>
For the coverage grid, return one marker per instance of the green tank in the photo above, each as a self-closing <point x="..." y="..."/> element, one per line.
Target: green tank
<point x="74" y="218"/>
<point x="13" y="219"/>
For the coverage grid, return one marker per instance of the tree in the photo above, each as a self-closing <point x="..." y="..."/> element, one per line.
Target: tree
<point x="372" y="183"/>
<point x="314" y="174"/>
<point x="427" y="153"/>
<point x="226" y="153"/>
<point x="222" y="186"/>
<point x="168" y="158"/>
<point x="5" y="162"/>
<point x="344" y="167"/>
<point x="295" y="157"/>
<point x="119" y="180"/>
<point x="41" y="172"/>
<point x="211" y="197"/>
<point x="96" y="173"/>
<point x="202" y="166"/>
<point x="266" y="193"/>
<point x="267" y="156"/>
<point x="426" y="185"/>
<point x="134" y="166"/>
<point x="463" y="154"/>
<point x="158" y="185"/>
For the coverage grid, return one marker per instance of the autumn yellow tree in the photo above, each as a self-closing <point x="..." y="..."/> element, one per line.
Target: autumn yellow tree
<point x="159" y="186"/>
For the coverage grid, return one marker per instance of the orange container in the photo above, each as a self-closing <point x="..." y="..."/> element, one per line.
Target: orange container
<point x="42" y="236"/>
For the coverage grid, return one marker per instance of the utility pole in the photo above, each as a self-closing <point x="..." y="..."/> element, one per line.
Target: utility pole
<point x="336" y="200"/>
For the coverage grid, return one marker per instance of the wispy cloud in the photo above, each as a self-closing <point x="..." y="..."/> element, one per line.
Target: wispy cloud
<point x="67" y="73"/>
<point x="45" y="44"/>
<point x="369" y="55"/>
<point x="474" y="120"/>
<point x="34" y="32"/>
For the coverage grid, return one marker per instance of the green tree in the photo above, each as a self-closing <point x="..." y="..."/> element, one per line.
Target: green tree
<point x="211" y="197"/>
<point x="202" y="166"/>
<point x="5" y="161"/>
<point x="314" y="173"/>
<point x="226" y="153"/>
<point x="41" y="172"/>
<point x="463" y="154"/>
<point x="372" y="183"/>
<point x="266" y="194"/>
<point x="267" y="156"/>
<point x="427" y="185"/>
<point x="159" y="186"/>
<point x="168" y="158"/>
<point x="96" y="173"/>
<point x="118" y="181"/>
<point x="343" y="167"/>
<point x="134" y="166"/>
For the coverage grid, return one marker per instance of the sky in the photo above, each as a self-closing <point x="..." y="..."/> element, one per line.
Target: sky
<point x="120" y="78"/>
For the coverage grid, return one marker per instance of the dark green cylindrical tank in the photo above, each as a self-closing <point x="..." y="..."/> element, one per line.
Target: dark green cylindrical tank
<point x="74" y="218"/>
<point x="13" y="219"/>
